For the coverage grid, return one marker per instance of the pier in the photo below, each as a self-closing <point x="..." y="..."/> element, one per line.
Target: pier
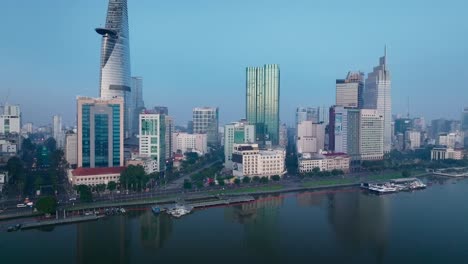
<point x="65" y="221"/>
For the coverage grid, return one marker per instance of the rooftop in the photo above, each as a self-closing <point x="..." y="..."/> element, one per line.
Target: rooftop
<point x="97" y="171"/>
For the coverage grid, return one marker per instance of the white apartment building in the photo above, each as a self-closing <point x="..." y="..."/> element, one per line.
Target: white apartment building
<point x="451" y="140"/>
<point x="249" y="161"/>
<point x="325" y="162"/>
<point x="371" y="133"/>
<point x="71" y="149"/>
<point x="413" y="139"/>
<point x="206" y="121"/>
<point x="185" y="142"/>
<point x="349" y="92"/>
<point x="236" y="133"/>
<point x="10" y="119"/>
<point x="310" y="137"/>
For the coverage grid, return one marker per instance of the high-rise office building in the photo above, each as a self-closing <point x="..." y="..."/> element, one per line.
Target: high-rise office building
<point x="236" y="133"/>
<point x="100" y="132"/>
<point x="10" y="119"/>
<point x="135" y="104"/>
<point x="310" y="137"/>
<point x="350" y="91"/>
<point x="378" y="96"/>
<point x="206" y="121"/>
<point x="162" y="110"/>
<point x="115" y="79"/>
<point x="371" y="133"/>
<point x="464" y="125"/>
<point x="152" y="139"/>
<point x="168" y="135"/>
<point x="57" y="131"/>
<point x="262" y="102"/>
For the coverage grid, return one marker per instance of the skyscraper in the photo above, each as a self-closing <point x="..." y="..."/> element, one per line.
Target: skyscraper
<point x="349" y="91"/>
<point x="371" y="124"/>
<point x="136" y="104"/>
<point x="378" y="96"/>
<point x="100" y="132"/>
<point x="57" y="132"/>
<point x="206" y="121"/>
<point x="115" y="79"/>
<point x="262" y="101"/>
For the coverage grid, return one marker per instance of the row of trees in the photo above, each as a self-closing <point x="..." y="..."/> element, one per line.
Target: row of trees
<point x="188" y="184"/>
<point x="317" y="173"/>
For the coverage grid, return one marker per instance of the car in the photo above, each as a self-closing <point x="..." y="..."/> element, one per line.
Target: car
<point x="30" y="204"/>
<point x="72" y="199"/>
<point x="21" y="206"/>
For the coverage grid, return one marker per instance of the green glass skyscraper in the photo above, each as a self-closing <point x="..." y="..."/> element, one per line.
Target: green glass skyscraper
<point x="262" y="102"/>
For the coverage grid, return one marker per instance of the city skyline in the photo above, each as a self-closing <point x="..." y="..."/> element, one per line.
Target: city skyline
<point x="306" y="72"/>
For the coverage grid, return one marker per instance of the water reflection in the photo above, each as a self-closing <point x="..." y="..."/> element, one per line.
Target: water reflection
<point x="360" y="223"/>
<point x="154" y="230"/>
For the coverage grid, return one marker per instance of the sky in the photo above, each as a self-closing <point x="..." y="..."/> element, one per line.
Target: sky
<point x="194" y="53"/>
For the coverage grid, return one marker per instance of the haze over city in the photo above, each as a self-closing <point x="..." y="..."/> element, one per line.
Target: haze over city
<point x="195" y="53"/>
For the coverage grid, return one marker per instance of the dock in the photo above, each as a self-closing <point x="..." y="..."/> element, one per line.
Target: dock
<point x="65" y="221"/>
<point x="222" y="201"/>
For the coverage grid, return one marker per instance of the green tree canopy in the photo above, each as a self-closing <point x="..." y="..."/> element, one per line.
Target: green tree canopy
<point x="47" y="205"/>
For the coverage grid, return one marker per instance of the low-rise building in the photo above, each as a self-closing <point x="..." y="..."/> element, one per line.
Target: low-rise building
<point x="443" y="153"/>
<point x="324" y="161"/>
<point x="249" y="161"/>
<point x="3" y="180"/>
<point x="94" y="176"/>
<point x="150" y="165"/>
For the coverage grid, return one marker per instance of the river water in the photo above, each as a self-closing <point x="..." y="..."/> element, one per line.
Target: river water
<point x="343" y="226"/>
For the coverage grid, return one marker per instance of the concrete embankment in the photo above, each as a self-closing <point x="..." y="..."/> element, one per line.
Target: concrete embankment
<point x="65" y="221"/>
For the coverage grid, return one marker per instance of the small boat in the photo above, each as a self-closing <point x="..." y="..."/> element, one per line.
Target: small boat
<point x="156" y="209"/>
<point x="122" y="210"/>
<point x="179" y="210"/>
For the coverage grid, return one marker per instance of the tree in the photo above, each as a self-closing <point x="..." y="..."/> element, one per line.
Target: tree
<point x="134" y="177"/>
<point x="246" y="180"/>
<point x="275" y="177"/>
<point x="221" y="182"/>
<point x="237" y="181"/>
<point x="47" y="205"/>
<point x="256" y="179"/>
<point x="187" y="184"/>
<point x="111" y="186"/>
<point x="406" y="174"/>
<point x="316" y="171"/>
<point x="86" y="195"/>
<point x="335" y="172"/>
<point x="100" y="188"/>
<point x="50" y="144"/>
<point x="264" y="180"/>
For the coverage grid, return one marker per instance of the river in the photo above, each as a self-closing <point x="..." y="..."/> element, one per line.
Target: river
<point x="342" y="226"/>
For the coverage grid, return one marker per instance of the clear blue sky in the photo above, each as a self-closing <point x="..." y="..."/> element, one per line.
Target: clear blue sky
<point x="194" y="53"/>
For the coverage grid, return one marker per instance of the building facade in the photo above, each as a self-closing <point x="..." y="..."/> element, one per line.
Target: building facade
<point x="236" y="133"/>
<point x="94" y="176"/>
<point x="464" y="126"/>
<point x="250" y="161"/>
<point x="152" y="139"/>
<point x="10" y="119"/>
<point x="206" y="121"/>
<point x="100" y="134"/>
<point x="443" y="153"/>
<point x="378" y="96"/>
<point x="371" y="133"/>
<point x="184" y="142"/>
<point x="413" y="139"/>
<point x="325" y="162"/>
<point x="307" y="114"/>
<point x="350" y="91"/>
<point x="71" y="149"/>
<point x="262" y="102"/>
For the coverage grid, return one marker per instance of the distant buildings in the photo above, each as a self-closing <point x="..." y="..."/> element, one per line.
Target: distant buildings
<point x="283" y="136"/>
<point x="378" y="96"/>
<point x="451" y="140"/>
<point x="262" y="102"/>
<point x="412" y="139"/>
<point x="324" y="161"/>
<point x="206" y="121"/>
<point x="184" y="142"/>
<point x="307" y="114"/>
<point x="57" y="131"/>
<point x="135" y="104"/>
<point x="100" y="134"/>
<point x="236" y="133"/>
<point x="10" y="119"/>
<point x="464" y="125"/>
<point x="152" y="139"/>
<point x="250" y="161"/>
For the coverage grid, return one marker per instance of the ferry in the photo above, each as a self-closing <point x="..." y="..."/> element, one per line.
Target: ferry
<point x="379" y="188"/>
<point x="179" y="210"/>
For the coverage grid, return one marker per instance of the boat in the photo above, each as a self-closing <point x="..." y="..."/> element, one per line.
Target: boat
<point x="179" y="210"/>
<point x="122" y="210"/>
<point x="379" y="188"/>
<point x="156" y="209"/>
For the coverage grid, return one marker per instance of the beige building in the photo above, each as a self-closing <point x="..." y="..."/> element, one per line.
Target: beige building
<point x="184" y="142"/>
<point x="325" y="162"/>
<point x="446" y="153"/>
<point x="71" y="149"/>
<point x="249" y="161"/>
<point x="94" y="176"/>
<point x="371" y="134"/>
